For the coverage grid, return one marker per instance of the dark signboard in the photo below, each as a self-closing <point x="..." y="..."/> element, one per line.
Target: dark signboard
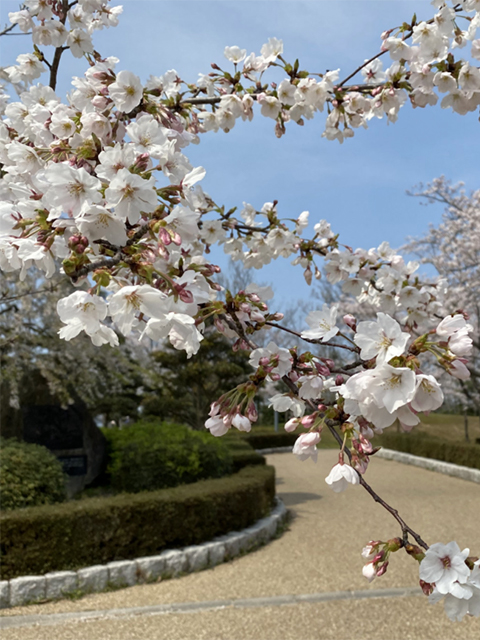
<point x="53" y="427"/>
<point x="74" y="465"/>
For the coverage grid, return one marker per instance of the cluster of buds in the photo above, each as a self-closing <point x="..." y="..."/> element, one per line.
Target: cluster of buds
<point x="236" y="408"/>
<point x="377" y="553"/>
<point x="363" y="448"/>
<point x="78" y="243"/>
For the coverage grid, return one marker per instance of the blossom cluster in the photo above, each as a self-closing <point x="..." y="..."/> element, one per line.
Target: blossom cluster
<point x="446" y="572"/>
<point x="100" y="188"/>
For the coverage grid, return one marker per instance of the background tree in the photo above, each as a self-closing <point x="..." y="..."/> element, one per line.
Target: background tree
<point x="106" y="379"/>
<point x="187" y="387"/>
<point x="453" y="249"/>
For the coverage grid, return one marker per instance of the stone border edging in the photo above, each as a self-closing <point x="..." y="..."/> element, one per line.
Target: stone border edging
<point x="430" y="464"/>
<point x="126" y="573"/>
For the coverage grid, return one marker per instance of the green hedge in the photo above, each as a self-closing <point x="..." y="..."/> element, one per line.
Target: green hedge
<point x="152" y="455"/>
<point x="99" y="530"/>
<point x="466" y="455"/>
<point x="271" y="440"/>
<point x="30" y="475"/>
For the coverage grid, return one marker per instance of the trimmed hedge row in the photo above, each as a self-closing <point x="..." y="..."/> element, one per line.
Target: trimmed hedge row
<point x="99" y="530"/>
<point x="466" y="455"/>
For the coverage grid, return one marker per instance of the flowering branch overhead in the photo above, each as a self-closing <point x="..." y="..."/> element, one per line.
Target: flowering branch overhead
<point x="99" y="187"/>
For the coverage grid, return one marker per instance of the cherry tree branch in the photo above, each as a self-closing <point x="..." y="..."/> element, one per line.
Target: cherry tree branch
<point x="312" y="340"/>
<point x="236" y="326"/>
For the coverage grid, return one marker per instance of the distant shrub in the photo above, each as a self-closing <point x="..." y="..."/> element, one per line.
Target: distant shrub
<point x="419" y="444"/>
<point x="152" y="455"/>
<point x="30" y="475"/>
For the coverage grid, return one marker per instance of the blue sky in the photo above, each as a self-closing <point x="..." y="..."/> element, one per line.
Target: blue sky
<point x="359" y="186"/>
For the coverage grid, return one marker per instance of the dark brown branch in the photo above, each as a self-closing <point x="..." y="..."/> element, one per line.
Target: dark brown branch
<point x="8" y="29"/>
<point x="236" y="326"/>
<point x="404" y="526"/>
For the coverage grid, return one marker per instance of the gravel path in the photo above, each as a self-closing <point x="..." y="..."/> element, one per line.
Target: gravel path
<point x="319" y="554"/>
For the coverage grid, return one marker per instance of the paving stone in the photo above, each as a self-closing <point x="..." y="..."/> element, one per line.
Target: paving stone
<point x="216" y="553"/>
<point x="4" y="594"/>
<point x="197" y="557"/>
<point x="122" y="573"/>
<point x="256" y="534"/>
<point x="150" y="568"/>
<point x="93" y="579"/>
<point x="271" y="526"/>
<point x="60" y="583"/>
<point x="27" y="589"/>
<point x="233" y="544"/>
<point x="175" y="563"/>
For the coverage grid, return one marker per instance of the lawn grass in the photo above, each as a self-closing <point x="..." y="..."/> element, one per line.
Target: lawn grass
<point x="449" y="427"/>
<point x="446" y="426"/>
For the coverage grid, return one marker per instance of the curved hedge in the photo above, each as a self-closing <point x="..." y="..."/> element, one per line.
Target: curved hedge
<point x="99" y="530"/>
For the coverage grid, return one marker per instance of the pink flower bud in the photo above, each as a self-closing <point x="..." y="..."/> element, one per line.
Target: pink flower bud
<point x="339" y="380"/>
<point x="350" y="321"/>
<point x="369" y="571"/>
<point x="100" y="102"/>
<point x="367" y="446"/>
<point x="382" y="570"/>
<point x="214" y="409"/>
<point x="252" y="413"/>
<point x="291" y="425"/>
<point x="164" y="236"/>
<point x="426" y="587"/>
<point x="322" y="369"/>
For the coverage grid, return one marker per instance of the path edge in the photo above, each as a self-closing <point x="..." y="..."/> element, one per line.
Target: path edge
<point x="171" y="563"/>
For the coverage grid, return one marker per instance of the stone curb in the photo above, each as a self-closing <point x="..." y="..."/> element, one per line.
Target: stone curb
<point x="126" y="573"/>
<point x="447" y="468"/>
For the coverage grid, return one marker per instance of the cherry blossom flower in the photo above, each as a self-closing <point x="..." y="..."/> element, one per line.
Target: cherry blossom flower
<point x="322" y="324"/>
<point x="217" y="426"/>
<point x="235" y="54"/>
<point x="341" y="476"/>
<point x="382" y="339"/>
<point x="71" y="188"/>
<point x="126" y="92"/>
<point x="306" y="446"/>
<point x="283" y="402"/>
<point x="278" y="360"/>
<point x="127" y="302"/>
<point x="428" y="394"/>
<point x="444" y="564"/>
<point x="130" y="195"/>
<point x="81" y="311"/>
<point x="311" y="387"/>
<point x="393" y="387"/>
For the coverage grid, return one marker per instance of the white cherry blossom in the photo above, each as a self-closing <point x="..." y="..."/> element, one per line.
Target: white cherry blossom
<point x="382" y="339"/>
<point x="341" y="476"/>
<point x="322" y="324"/>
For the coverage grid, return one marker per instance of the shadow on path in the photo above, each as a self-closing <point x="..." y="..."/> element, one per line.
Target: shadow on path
<point x="297" y="497"/>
